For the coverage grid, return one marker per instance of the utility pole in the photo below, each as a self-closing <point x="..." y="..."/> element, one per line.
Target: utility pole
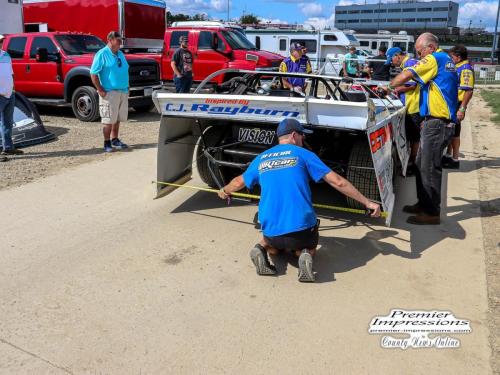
<point x="228" y="10"/>
<point x="494" y="47"/>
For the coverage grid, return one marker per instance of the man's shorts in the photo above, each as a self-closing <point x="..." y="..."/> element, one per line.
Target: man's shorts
<point x="113" y="107"/>
<point x="304" y="239"/>
<point x="412" y="127"/>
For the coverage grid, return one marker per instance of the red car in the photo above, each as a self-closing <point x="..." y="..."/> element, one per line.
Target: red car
<point x="54" y="68"/>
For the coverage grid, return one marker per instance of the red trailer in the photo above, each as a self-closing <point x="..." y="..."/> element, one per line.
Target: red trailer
<point x="141" y="22"/>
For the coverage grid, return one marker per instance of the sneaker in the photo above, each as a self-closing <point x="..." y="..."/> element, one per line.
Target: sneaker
<point x="119" y="145"/>
<point x="452" y="164"/>
<point x="445" y="161"/>
<point x="107" y="147"/>
<point x="3" y="159"/>
<point x="261" y="262"/>
<point x="12" y="151"/>
<point x="305" y="267"/>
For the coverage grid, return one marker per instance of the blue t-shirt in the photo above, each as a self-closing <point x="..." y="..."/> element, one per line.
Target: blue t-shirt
<point x="111" y="69"/>
<point x="283" y="173"/>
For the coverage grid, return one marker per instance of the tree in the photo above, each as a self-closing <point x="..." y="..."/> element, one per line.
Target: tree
<point x="249" y="19"/>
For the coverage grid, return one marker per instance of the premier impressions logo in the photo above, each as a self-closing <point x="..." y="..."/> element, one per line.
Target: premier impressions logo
<point x="418" y="325"/>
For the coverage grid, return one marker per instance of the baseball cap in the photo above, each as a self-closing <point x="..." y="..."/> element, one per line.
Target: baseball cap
<point x="296" y="46"/>
<point x="290" y="125"/>
<point x="114" y="35"/>
<point x="391" y="52"/>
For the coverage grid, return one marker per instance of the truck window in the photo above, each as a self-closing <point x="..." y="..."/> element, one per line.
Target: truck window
<point x="311" y="45"/>
<point x="237" y="40"/>
<point x="174" y="38"/>
<point x="42" y="42"/>
<point x="205" y="40"/>
<point x="79" y="44"/>
<point x="374" y="45"/>
<point x="16" y="47"/>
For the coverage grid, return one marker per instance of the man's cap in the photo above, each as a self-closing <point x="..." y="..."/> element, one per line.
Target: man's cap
<point x="296" y="46"/>
<point x="183" y="38"/>
<point x="391" y="52"/>
<point x="289" y="125"/>
<point x="352" y="48"/>
<point x="114" y="35"/>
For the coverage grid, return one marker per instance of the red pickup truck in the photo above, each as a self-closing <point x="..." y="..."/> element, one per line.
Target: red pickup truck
<point x="54" y="68"/>
<point x="215" y="46"/>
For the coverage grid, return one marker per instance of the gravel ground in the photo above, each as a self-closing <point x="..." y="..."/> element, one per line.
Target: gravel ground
<point x="76" y="143"/>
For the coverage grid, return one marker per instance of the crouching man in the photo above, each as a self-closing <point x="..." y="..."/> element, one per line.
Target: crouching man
<point x="286" y="212"/>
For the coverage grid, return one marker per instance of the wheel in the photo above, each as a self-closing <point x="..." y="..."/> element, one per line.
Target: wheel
<point x="143" y="108"/>
<point x="213" y="137"/>
<point x="361" y="174"/>
<point x="85" y="103"/>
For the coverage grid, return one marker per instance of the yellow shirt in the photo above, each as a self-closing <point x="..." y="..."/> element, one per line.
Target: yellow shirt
<point x="410" y="98"/>
<point x="466" y="78"/>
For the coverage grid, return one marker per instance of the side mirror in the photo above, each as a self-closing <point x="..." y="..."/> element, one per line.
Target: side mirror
<point x="42" y="55"/>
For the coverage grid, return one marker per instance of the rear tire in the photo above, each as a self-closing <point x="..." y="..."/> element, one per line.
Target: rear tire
<point x="361" y="173"/>
<point x="85" y="103"/>
<point x="212" y="136"/>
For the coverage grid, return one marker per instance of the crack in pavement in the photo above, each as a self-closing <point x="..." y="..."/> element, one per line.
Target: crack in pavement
<point x="36" y="356"/>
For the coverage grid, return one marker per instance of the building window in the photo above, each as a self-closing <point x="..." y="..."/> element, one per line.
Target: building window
<point x="408" y="19"/>
<point x="380" y="11"/>
<point x="440" y="9"/>
<point x="392" y="20"/>
<point x="394" y="10"/>
<point x="366" y="21"/>
<point x="341" y="12"/>
<point x="367" y="11"/>
<point x="439" y="19"/>
<point x="423" y="20"/>
<point x="410" y="10"/>
<point x="353" y="12"/>
<point x="425" y="9"/>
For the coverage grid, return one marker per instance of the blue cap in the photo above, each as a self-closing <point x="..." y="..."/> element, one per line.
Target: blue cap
<point x="296" y="46"/>
<point x="391" y="52"/>
<point x="290" y="125"/>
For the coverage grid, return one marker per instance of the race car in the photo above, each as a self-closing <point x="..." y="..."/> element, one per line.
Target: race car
<point x="357" y="131"/>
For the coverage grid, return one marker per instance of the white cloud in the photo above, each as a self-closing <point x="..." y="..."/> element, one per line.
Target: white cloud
<point x="321" y="22"/>
<point x="195" y="6"/>
<point x="219" y="5"/>
<point x="311" y="9"/>
<point x="486" y="11"/>
<point x="272" y="20"/>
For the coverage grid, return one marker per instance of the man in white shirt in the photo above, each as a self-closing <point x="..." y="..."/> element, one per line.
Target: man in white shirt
<point x="7" y="103"/>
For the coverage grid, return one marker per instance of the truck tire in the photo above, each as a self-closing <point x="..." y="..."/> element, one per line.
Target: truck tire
<point x="361" y="174"/>
<point x="213" y="137"/>
<point x="85" y="103"/>
<point x="143" y="108"/>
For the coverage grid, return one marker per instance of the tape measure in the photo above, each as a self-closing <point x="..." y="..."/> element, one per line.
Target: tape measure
<point x="257" y="197"/>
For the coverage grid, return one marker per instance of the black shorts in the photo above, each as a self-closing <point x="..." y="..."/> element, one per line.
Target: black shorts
<point x="412" y="127"/>
<point x="304" y="239"/>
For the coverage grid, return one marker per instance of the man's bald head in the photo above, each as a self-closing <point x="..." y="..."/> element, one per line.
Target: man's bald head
<point x="426" y="44"/>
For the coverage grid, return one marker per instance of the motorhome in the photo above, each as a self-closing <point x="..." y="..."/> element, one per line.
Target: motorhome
<point x="321" y="44"/>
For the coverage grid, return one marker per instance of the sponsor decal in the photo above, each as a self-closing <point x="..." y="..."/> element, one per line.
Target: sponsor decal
<point x="379" y="138"/>
<point x="418" y="324"/>
<point x="230" y="110"/>
<point x="273" y="164"/>
<point x="257" y="135"/>
<point x="450" y="66"/>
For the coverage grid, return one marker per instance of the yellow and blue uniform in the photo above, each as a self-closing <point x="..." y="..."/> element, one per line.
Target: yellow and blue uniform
<point x="410" y="98"/>
<point x="293" y="65"/>
<point x="437" y="76"/>
<point x="466" y="78"/>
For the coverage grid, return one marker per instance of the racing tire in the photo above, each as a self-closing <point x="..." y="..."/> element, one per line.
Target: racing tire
<point x="213" y="137"/>
<point x="85" y="103"/>
<point x="143" y="108"/>
<point x="361" y="174"/>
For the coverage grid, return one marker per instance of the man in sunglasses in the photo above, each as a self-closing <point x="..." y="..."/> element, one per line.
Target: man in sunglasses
<point x="109" y="74"/>
<point x="436" y="74"/>
<point x="287" y="216"/>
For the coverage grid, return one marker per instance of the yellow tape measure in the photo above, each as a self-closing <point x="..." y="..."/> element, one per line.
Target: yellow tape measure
<point x="253" y="196"/>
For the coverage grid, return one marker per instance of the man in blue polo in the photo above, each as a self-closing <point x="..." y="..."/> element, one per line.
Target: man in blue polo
<point x="286" y="214"/>
<point x="296" y="63"/>
<point x="436" y="74"/>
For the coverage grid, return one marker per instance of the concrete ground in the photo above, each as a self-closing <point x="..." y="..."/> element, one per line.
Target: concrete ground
<point x="98" y="278"/>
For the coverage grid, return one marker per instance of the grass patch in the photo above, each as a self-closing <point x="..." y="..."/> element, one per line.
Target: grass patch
<point x="492" y="99"/>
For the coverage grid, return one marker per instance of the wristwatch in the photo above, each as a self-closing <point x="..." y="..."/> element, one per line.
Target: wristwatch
<point x="462" y="109"/>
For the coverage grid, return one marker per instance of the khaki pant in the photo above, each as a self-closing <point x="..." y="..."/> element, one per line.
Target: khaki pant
<point x="113" y="107"/>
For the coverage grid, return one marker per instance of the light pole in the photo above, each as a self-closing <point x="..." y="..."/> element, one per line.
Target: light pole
<point x="494" y="47"/>
<point x="228" y="10"/>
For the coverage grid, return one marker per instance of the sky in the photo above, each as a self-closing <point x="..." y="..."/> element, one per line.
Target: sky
<point x="318" y="13"/>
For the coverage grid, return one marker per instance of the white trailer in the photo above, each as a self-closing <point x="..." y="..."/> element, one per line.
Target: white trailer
<point x="320" y="44"/>
<point x="11" y="19"/>
<point x="372" y="42"/>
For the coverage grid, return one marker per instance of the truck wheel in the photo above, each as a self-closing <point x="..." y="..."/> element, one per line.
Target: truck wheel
<point x="143" y="108"/>
<point x="213" y="137"/>
<point x="85" y="103"/>
<point x="361" y="174"/>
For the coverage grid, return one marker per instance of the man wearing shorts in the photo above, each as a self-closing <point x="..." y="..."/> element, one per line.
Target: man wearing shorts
<point x="286" y="212"/>
<point x="409" y="95"/>
<point x="109" y="74"/>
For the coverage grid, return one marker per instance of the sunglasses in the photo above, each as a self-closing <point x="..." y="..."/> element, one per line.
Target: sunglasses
<point x="119" y="62"/>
